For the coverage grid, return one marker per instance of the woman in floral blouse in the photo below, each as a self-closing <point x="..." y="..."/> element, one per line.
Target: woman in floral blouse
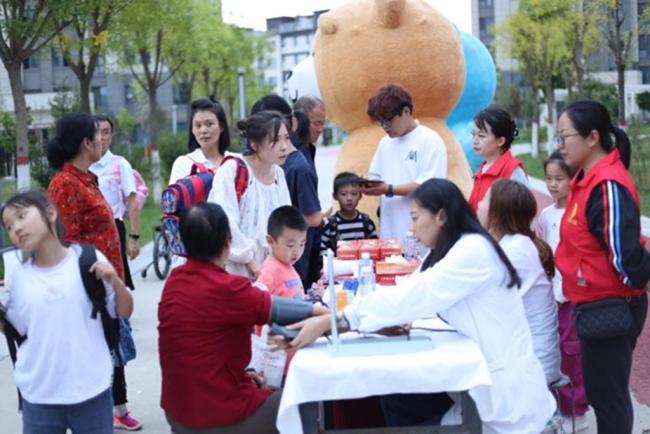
<point x="88" y="219"/>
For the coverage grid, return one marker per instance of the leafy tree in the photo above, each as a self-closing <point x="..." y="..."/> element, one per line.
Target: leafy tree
<point x="584" y="34"/>
<point x="643" y="100"/>
<point x="619" y="43"/>
<point x="144" y="42"/>
<point x="65" y="101"/>
<point x="25" y="27"/>
<point x="84" y="42"/>
<point x="125" y="125"/>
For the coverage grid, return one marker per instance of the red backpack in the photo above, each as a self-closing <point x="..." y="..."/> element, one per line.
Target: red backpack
<point x="192" y="190"/>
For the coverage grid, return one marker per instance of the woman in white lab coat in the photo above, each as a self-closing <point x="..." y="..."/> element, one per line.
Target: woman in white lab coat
<point x="469" y="282"/>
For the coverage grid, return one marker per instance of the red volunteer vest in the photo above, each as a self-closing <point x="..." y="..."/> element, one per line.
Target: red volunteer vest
<point x="502" y="168"/>
<point x="587" y="272"/>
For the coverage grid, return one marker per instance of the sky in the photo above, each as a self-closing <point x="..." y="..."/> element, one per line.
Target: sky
<point x="253" y="13"/>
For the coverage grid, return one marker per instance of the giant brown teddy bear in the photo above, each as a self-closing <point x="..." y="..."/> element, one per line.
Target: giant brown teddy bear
<point x="366" y="44"/>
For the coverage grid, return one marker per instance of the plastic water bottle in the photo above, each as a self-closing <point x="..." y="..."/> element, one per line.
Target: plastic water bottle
<point x="410" y="247"/>
<point x="366" y="281"/>
<point x="365" y="261"/>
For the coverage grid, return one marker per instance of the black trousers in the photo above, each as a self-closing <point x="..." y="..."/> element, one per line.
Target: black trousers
<point x="119" y="386"/>
<point x="606" y="366"/>
<point x="121" y="229"/>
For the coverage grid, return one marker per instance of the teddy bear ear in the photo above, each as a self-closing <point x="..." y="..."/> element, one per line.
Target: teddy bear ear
<point x="390" y="12"/>
<point x="328" y="24"/>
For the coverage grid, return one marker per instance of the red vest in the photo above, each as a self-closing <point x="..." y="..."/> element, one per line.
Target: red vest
<point x="501" y="168"/>
<point x="587" y="271"/>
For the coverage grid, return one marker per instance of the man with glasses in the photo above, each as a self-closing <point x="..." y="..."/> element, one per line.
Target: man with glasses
<point x="409" y="155"/>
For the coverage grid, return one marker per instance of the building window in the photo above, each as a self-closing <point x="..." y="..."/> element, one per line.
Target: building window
<point x="57" y="58"/>
<point x="485" y="26"/>
<point x="180" y="93"/>
<point x="100" y="67"/>
<point x="485" y="2"/>
<point x="31" y="62"/>
<point x="129" y="96"/>
<point x="645" y="74"/>
<point x="100" y="95"/>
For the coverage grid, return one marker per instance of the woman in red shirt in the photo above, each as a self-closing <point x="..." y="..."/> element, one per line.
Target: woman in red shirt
<point x="206" y="317"/>
<point x="603" y="262"/>
<point x="88" y="219"/>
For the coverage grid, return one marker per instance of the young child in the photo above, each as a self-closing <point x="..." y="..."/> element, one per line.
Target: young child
<point x="507" y="211"/>
<point x="64" y="369"/>
<point x="494" y="132"/>
<point x="347" y="223"/>
<point x="558" y="179"/>
<point x="286" y="235"/>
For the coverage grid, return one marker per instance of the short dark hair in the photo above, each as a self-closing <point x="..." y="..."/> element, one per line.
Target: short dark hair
<point x="389" y="101"/>
<point x="344" y="179"/>
<point x="71" y="129"/>
<point x="209" y="104"/>
<point x="204" y="231"/>
<point x="272" y="102"/>
<point x="104" y="118"/>
<point x="285" y="217"/>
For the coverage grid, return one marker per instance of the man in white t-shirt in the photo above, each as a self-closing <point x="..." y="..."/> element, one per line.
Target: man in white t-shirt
<point x="409" y="155"/>
<point x="120" y="193"/>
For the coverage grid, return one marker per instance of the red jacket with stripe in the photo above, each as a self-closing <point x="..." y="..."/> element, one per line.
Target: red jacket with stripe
<point x="600" y="253"/>
<point x="503" y="167"/>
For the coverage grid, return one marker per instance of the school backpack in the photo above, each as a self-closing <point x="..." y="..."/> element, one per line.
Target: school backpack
<point x="141" y="189"/>
<point x="192" y="190"/>
<point x="96" y="293"/>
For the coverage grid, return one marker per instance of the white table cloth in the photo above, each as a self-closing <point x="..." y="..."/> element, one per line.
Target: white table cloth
<point x="455" y="364"/>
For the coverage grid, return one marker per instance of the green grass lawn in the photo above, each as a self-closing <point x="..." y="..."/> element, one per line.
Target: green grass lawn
<point x="535" y="168"/>
<point x="149" y="219"/>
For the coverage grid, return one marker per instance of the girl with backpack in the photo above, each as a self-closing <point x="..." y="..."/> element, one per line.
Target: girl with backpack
<point x="64" y="367"/>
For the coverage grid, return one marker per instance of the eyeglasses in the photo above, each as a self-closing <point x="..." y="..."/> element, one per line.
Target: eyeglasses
<point x="105" y="133"/>
<point x="559" y="140"/>
<point x="385" y="124"/>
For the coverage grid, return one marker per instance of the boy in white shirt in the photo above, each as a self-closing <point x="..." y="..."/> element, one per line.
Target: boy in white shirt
<point x="409" y="155"/>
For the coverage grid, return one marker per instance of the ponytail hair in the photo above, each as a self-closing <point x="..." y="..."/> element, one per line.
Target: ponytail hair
<point x="438" y="194"/>
<point x="71" y="130"/>
<point x="512" y="210"/>
<point x="587" y="116"/>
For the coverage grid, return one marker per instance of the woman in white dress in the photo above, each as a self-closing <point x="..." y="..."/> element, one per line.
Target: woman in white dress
<point x="266" y="146"/>
<point x="208" y="141"/>
<point x="469" y="282"/>
<point x="506" y="211"/>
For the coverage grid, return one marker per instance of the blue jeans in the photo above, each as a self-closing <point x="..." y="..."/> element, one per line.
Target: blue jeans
<point x="94" y="416"/>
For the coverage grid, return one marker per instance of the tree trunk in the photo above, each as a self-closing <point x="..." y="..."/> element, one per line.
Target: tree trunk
<point x="535" y="125"/>
<point x="22" y="138"/>
<point x="550" y="121"/>
<point x="621" y="95"/>
<point x="155" y="153"/>
<point x="84" y="94"/>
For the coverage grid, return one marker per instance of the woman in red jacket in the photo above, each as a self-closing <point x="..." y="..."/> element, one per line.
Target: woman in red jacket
<point x="494" y="132"/>
<point x="603" y="262"/>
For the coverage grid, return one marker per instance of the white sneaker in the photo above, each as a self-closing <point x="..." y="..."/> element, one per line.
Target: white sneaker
<point x="582" y="423"/>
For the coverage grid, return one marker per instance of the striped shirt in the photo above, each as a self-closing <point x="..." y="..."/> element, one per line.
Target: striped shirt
<point x="338" y="228"/>
<point x="613" y="218"/>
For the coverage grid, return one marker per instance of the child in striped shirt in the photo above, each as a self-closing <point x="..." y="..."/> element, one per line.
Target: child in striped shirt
<point x="348" y="223"/>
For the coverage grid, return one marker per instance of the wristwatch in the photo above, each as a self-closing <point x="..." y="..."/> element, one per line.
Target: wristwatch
<point x="389" y="193"/>
<point x="342" y="321"/>
<point x="134" y="236"/>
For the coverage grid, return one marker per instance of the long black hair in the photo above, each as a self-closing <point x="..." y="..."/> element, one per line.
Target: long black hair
<point x="438" y="194"/>
<point x="587" y="116"/>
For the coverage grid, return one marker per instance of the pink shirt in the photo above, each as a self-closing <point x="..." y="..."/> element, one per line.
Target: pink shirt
<point x="280" y="279"/>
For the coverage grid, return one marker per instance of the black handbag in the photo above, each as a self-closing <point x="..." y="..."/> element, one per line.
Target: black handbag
<point x="602" y="319"/>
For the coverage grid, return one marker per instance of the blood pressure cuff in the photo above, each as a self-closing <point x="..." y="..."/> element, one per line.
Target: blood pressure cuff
<point x="287" y="311"/>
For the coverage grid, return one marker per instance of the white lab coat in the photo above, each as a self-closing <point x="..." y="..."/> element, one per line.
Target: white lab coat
<point x="467" y="288"/>
<point x="539" y="302"/>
